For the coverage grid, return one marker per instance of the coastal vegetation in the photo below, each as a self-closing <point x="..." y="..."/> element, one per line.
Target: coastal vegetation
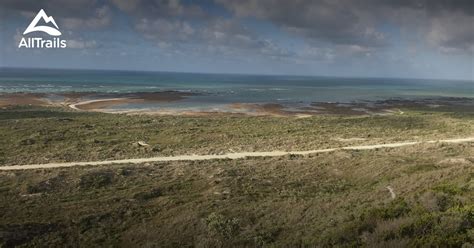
<point x="47" y="134"/>
<point x="334" y="199"/>
<point x="340" y="198"/>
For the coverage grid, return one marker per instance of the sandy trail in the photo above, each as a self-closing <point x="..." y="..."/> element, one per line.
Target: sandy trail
<point x="75" y="105"/>
<point x="237" y="155"/>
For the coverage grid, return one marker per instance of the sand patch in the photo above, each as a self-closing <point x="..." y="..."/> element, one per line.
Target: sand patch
<point x="272" y="109"/>
<point x="105" y="101"/>
<point x="349" y="139"/>
<point x="102" y="103"/>
<point x="23" y="99"/>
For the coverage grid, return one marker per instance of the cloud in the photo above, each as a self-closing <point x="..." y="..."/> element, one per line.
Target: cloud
<point x="323" y="30"/>
<point x="449" y="35"/>
<point x="102" y="18"/>
<point x="357" y="23"/>
<point x="81" y="44"/>
<point x="70" y="14"/>
<point x="431" y="7"/>
<point x="159" y="8"/>
<point x="58" y="8"/>
<point x="216" y="36"/>
<point x="165" y="30"/>
<point x="174" y="25"/>
<point x="445" y="25"/>
<point x="335" y="22"/>
<point x="317" y="53"/>
<point x="334" y="29"/>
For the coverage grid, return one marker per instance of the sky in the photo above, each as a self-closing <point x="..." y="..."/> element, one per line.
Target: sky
<point x="346" y="38"/>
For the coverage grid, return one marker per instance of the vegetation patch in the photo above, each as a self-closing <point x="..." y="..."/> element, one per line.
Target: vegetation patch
<point x="45" y="134"/>
<point x="144" y="196"/>
<point x="12" y="235"/>
<point x="95" y="180"/>
<point x="335" y="199"/>
<point x="51" y="184"/>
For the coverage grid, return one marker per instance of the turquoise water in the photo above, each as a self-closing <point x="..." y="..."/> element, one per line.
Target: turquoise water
<point x="219" y="89"/>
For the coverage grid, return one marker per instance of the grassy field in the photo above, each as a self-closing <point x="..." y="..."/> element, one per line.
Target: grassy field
<point x="325" y="200"/>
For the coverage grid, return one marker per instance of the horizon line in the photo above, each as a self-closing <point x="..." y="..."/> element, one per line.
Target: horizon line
<point x="239" y="74"/>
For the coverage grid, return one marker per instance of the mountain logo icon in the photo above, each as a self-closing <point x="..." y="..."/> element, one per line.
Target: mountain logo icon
<point x="47" y="29"/>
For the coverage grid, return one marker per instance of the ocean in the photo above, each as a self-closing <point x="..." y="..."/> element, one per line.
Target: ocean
<point x="215" y="90"/>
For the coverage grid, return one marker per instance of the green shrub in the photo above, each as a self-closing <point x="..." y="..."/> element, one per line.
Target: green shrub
<point x="220" y="226"/>
<point x="95" y="180"/>
<point x="154" y="193"/>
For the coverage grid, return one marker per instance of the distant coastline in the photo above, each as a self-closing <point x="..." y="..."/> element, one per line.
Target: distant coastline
<point x="198" y="93"/>
<point x="47" y="69"/>
<point x="151" y="103"/>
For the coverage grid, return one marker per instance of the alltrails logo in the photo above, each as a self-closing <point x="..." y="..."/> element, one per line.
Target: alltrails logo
<point x="38" y="42"/>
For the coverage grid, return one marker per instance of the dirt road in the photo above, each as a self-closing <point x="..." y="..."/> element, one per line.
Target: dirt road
<point x="238" y="155"/>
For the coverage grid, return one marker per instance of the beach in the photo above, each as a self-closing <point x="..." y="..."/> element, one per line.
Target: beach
<point x="162" y="93"/>
<point x="158" y="103"/>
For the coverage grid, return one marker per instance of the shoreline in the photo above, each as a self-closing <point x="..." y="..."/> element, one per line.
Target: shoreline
<point x="105" y="103"/>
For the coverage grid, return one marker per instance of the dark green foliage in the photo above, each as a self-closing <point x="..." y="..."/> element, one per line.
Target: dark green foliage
<point x="95" y="180"/>
<point x="148" y="195"/>
<point x="15" y="235"/>
<point x="450" y="228"/>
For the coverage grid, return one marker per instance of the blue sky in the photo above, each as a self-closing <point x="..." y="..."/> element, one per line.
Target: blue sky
<point x="366" y="38"/>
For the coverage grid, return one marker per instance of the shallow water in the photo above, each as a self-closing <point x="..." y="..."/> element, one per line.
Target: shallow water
<point x="217" y="90"/>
